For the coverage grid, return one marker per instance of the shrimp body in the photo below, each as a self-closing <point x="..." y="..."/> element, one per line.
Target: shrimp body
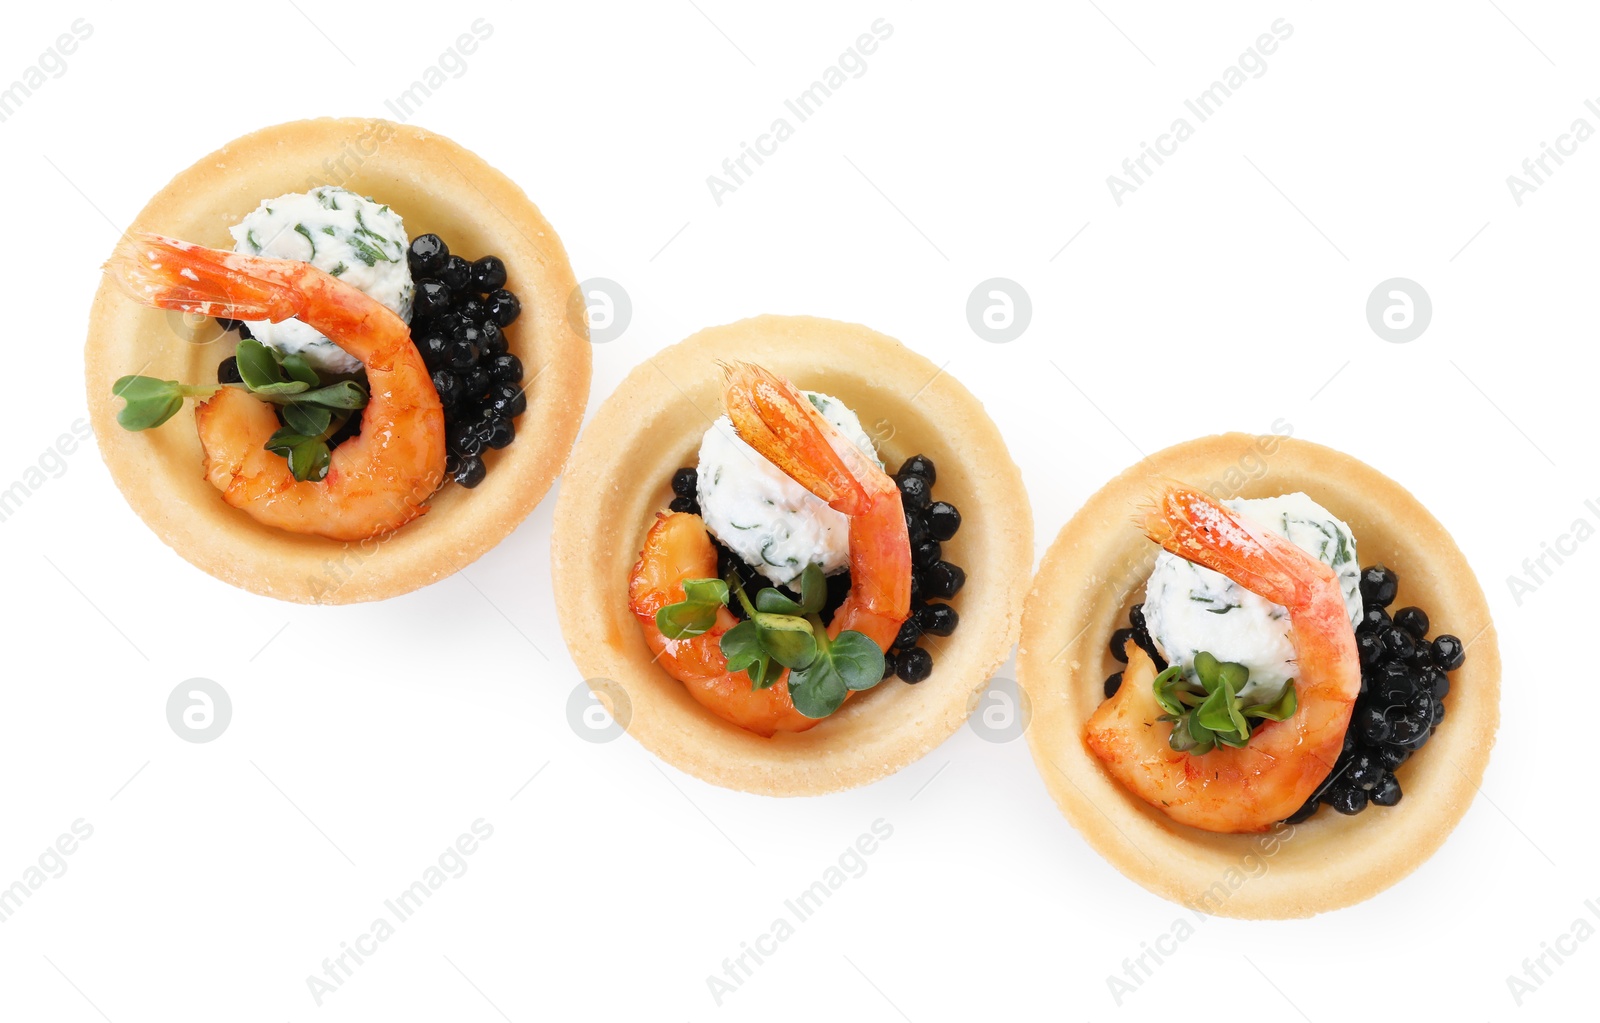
<point x="1252" y="787"/>
<point x="376" y="482"/>
<point x="773" y="417"/>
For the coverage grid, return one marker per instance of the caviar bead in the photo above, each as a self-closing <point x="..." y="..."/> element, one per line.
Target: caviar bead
<point x="945" y="580"/>
<point x="506" y="369"/>
<point x="1435" y="681"/>
<point x="471" y="472"/>
<point x="1394" y="683"/>
<point x="917" y="528"/>
<point x="502" y="307"/>
<point x="1119" y="641"/>
<point x="507" y="400"/>
<point x="914" y="665"/>
<point x="1405" y="731"/>
<point x="1374" y="620"/>
<point x="1448" y="653"/>
<point x="448" y="385"/>
<point x="1398" y="644"/>
<point x="1371" y="650"/>
<point x="1414" y="620"/>
<point x="1379" y="585"/>
<point x="1387" y="792"/>
<point x="937" y="619"/>
<point x="910" y="633"/>
<point x="473" y="308"/>
<point x="431" y="299"/>
<point x="464" y="439"/>
<point x="926" y="555"/>
<point x="499" y="433"/>
<point x="914" y="491"/>
<point x="434" y="346"/>
<point x="1347" y="799"/>
<point x="228" y="325"/>
<point x="1372" y="725"/>
<point x="461" y="354"/>
<point x="920" y="465"/>
<point x="681" y="504"/>
<point x="1366" y="771"/>
<point x="943" y="520"/>
<point x="489" y="274"/>
<point x="427" y="255"/>
<point x="456" y="274"/>
<point x="477" y="382"/>
<point x="889" y="664"/>
<point x="1394" y="756"/>
<point x="686" y="482"/>
<point x="493" y="342"/>
<point x="228" y="371"/>
<point x="1113" y="683"/>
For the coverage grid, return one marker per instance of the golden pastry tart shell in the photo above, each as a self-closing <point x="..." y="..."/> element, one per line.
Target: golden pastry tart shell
<point x="436" y="186"/>
<point x="620" y="478"/>
<point x="1097" y="569"/>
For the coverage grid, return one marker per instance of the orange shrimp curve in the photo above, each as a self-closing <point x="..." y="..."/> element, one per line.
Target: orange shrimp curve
<point x="771" y="415"/>
<point x="1250" y="788"/>
<point x="377" y="481"/>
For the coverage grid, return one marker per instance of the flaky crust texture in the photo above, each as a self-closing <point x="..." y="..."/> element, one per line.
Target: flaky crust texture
<point x="435" y="185"/>
<point x="1097" y="568"/>
<point x="620" y="477"/>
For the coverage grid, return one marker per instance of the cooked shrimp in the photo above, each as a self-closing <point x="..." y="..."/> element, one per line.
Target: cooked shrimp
<point x="1252" y="787"/>
<point x="376" y="482"/>
<point x="773" y="417"/>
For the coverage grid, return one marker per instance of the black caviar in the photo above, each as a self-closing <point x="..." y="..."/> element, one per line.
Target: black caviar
<point x="929" y="523"/>
<point x="1404" y="682"/>
<point x="458" y="323"/>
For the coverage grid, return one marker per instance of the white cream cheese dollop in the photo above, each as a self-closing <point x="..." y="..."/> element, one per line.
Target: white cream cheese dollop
<point x="773" y="523"/>
<point x="1189" y="608"/>
<point x="336" y="230"/>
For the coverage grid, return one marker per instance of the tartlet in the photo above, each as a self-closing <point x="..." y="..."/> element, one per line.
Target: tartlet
<point x="619" y="479"/>
<point x="1096" y="569"/>
<point x="438" y="186"/>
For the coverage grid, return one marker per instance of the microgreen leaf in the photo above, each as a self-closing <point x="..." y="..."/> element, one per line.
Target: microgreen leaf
<point x="741" y="645"/>
<point x="1280" y="709"/>
<point x="1206" y="711"/>
<point x="813" y="592"/>
<point x="696" y="613"/>
<point x="257" y="367"/>
<point x="298" y="368"/>
<point x="851" y="661"/>
<point x="786" y="638"/>
<point x="307" y="419"/>
<point x="151" y="402"/>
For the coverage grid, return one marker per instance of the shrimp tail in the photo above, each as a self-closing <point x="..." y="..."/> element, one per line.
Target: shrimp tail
<point x="170" y="274"/>
<point x="771" y="415"/>
<point x="1191" y="525"/>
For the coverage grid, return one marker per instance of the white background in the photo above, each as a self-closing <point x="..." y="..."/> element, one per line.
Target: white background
<point x="1227" y="292"/>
